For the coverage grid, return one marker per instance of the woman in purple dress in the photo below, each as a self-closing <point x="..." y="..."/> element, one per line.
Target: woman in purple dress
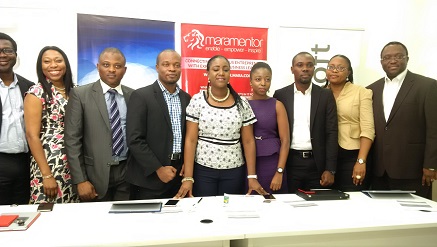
<point x="272" y="134"/>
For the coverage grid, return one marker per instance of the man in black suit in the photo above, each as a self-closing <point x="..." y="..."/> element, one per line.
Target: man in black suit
<point x="155" y="132"/>
<point x="14" y="151"/>
<point x="405" y="115"/>
<point x="312" y="115"/>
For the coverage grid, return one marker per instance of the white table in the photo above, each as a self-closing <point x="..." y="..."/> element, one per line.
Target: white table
<point x="359" y="221"/>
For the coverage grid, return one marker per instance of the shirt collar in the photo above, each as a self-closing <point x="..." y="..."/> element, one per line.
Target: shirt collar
<point x="163" y="89"/>
<point x="13" y="84"/>
<point x="399" y="78"/>
<point x="308" y="91"/>
<point x="105" y="88"/>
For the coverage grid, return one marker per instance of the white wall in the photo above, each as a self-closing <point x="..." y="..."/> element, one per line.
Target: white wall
<point x="34" y="24"/>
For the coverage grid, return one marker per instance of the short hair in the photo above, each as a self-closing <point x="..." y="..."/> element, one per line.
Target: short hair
<point x="7" y="37"/>
<point x="395" y="43"/>
<point x="260" y="65"/>
<point x="302" y="53"/>
<point x="112" y="50"/>
<point x="166" y="50"/>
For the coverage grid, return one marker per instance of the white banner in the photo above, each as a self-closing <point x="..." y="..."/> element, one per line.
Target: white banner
<point x="322" y="44"/>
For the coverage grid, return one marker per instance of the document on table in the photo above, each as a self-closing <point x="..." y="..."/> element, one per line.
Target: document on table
<point x="243" y="206"/>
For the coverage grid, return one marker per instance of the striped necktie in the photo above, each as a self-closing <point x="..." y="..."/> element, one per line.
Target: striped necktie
<point x="115" y="120"/>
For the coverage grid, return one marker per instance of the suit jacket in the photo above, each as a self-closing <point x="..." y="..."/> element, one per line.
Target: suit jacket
<point x="323" y="124"/>
<point x="407" y="141"/>
<point x="150" y="136"/>
<point x="88" y="135"/>
<point x="24" y="85"/>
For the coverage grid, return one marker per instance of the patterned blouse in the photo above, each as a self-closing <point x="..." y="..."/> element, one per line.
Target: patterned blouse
<point x="219" y="144"/>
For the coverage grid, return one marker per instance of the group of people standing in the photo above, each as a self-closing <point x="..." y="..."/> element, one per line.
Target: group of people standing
<point x="106" y="142"/>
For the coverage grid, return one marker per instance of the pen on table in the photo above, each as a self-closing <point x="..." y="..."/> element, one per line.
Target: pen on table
<point x="198" y="201"/>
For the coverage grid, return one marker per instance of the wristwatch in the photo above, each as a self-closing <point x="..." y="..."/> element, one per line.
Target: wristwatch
<point x="332" y="172"/>
<point x="280" y="170"/>
<point x="361" y="161"/>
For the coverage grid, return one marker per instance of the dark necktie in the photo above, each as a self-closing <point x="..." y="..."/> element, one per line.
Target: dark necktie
<point x="115" y="120"/>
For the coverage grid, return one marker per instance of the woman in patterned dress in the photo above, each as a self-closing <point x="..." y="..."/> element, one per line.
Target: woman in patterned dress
<point x="44" y="108"/>
<point x="219" y="123"/>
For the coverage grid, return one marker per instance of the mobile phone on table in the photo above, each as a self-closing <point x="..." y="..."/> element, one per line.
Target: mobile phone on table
<point x="269" y="197"/>
<point x="46" y="207"/>
<point x="171" y="203"/>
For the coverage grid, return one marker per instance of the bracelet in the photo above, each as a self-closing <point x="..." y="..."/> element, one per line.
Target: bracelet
<point x="48" y="176"/>
<point x="188" y="179"/>
<point x="252" y="176"/>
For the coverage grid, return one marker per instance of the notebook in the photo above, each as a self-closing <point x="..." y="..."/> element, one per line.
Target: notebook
<point x="137" y="207"/>
<point x="389" y="194"/>
<point x="322" y="194"/>
<point x="22" y="222"/>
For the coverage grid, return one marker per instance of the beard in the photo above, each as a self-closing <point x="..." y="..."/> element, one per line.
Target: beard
<point x="306" y="81"/>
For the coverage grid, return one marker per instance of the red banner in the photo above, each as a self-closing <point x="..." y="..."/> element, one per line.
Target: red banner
<point x="242" y="46"/>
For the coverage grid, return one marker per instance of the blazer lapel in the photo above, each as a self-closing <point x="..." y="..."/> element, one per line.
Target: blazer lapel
<point x="99" y="99"/>
<point x="403" y="92"/>
<point x="315" y="97"/>
<point x="161" y="102"/>
<point x="126" y="94"/>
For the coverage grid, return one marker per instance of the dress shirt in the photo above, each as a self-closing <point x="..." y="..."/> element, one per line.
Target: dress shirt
<point x="13" y="136"/>
<point x="122" y="108"/>
<point x="175" y="110"/>
<point x="391" y="90"/>
<point x="301" y="138"/>
<point x="355" y="116"/>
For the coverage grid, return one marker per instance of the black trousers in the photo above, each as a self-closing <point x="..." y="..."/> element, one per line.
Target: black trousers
<point x="14" y="178"/>
<point x="302" y="172"/>
<point x="345" y="165"/>
<point x="140" y="193"/>
<point x="387" y="183"/>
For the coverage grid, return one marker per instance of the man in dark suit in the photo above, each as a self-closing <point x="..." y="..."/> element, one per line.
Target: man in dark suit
<point x="312" y="115"/>
<point x="14" y="151"/>
<point x="97" y="167"/>
<point x="405" y="115"/>
<point x="155" y="132"/>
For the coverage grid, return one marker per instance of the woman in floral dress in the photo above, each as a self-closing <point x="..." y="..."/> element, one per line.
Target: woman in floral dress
<point x="44" y="109"/>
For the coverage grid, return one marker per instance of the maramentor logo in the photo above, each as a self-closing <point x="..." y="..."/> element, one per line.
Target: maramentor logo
<point x="194" y="39"/>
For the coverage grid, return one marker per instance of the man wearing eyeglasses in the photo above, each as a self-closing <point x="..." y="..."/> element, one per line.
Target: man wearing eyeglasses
<point x="14" y="152"/>
<point x="405" y="115"/>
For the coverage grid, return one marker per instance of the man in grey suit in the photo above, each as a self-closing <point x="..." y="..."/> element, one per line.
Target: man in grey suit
<point x="405" y="115"/>
<point x="97" y="167"/>
<point x="14" y="152"/>
<point x="312" y="116"/>
<point x="155" y="132"/>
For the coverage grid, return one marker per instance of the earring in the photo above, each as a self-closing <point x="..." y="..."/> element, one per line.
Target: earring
<point x="347" y="79"/>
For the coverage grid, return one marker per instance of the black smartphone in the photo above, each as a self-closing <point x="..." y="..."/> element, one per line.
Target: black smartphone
<point x="45" y="207"/>
<point x="171" y="203"/>
<point x="269" y="197"/>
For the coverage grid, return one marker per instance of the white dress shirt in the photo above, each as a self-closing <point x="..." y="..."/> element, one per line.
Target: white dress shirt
<point x="391" y="90"/>
<point x="301" y="138"/>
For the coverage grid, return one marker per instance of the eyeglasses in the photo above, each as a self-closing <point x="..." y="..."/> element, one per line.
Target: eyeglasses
<point x="395" y="57"/>
<point x="338" y="68"/>
<point x="7" y="51"/>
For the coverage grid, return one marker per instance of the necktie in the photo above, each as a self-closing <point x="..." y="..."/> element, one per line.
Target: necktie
<point x="115" y="120"/>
